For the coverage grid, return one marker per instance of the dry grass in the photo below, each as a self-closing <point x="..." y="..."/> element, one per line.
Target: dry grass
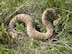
<point x="61" y="43"/>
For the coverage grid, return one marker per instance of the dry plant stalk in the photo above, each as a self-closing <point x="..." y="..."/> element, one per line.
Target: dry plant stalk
<point x="31" y="31"/>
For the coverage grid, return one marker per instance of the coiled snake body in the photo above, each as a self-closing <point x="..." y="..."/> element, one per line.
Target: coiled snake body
<point x="31" y="31"/>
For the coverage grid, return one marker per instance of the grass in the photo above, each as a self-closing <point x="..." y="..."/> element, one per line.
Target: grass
<point x="61" y="43"/>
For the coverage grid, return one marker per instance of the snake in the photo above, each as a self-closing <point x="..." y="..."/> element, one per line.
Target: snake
<point x="29" y="22"/>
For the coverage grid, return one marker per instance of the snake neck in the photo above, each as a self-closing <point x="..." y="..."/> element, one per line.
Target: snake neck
<point x="46" y="19"/>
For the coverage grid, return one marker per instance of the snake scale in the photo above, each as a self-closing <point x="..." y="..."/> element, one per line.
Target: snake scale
<point x="31" y="31"/>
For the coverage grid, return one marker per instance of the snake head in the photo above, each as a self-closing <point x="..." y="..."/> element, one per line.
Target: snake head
<point x="55" y="22"/>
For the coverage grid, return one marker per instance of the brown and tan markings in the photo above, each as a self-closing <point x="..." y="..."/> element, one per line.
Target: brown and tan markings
<point x="31" y="31"/>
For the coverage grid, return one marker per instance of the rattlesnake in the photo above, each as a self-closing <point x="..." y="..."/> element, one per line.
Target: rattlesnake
<point x="31" y="31"/>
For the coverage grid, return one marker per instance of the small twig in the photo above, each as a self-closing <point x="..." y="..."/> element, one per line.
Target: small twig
<point x="67" y="46"/>
<point x="58" y="50"/>
<point x="7" y="18"/>
<point x="63" y="10"/>
<point x="65" y="23"/>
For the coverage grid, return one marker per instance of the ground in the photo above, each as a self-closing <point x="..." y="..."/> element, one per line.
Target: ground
<point x="61" y="43"/>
